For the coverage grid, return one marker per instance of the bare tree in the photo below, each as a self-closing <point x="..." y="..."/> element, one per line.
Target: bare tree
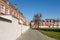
<point x="36" y="19"/>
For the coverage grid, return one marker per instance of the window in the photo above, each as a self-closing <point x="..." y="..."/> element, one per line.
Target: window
<point x="7" y="11"/>
<point x="2" y="8"/>
<point x="50" y="20"/>
<point x="43" y="21"/>
<point x="13" y="13"/>
<point x="47" y="20"/>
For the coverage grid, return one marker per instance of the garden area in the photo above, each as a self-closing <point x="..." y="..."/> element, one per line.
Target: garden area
<point x="51" y="32"/>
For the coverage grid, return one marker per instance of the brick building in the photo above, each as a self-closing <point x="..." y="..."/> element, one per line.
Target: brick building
<point x="46" y="22"/>
<point x="6" y="8"/>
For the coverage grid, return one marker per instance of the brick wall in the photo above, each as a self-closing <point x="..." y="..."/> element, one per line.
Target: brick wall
<point x="16" y="13"/>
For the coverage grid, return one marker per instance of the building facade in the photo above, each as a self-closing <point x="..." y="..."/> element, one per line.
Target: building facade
<point x="46" y="22"/>
<point x="6" y="8"/>
<point x="11" y="21"/>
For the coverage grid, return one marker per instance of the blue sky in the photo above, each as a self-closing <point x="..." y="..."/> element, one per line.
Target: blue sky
<point x="48" y="8"/>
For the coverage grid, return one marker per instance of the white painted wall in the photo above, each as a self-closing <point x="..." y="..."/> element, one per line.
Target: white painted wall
<point x="9" y="17"/>
<point x="48" y="26"/>
<point x="56" y="23"/>
<point x="43" y="26"/>
<point x="24" y="28"/>
<point x="11" y="31"/>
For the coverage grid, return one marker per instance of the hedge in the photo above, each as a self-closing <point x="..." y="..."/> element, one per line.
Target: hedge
<point x="50" y="29"/>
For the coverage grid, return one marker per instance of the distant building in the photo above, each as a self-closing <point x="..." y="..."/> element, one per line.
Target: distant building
<point x="46" y="22"/>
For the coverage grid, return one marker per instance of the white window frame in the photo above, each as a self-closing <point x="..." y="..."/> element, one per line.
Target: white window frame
<point x="2" y="8"/>
<point x="7" y="11"/>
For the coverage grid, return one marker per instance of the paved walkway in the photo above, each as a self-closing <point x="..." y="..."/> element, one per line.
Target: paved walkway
<point x="34" y="35"/>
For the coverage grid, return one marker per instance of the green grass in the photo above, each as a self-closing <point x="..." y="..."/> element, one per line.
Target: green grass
<point x="52" y="34"/>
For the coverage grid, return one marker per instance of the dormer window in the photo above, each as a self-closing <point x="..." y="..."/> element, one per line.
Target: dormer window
<point x="7" y="2"/>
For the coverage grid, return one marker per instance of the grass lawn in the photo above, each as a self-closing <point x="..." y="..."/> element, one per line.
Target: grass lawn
<point x="52" y="34"/>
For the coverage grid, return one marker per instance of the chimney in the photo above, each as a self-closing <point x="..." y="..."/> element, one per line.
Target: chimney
<point x="16" y="7"/>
